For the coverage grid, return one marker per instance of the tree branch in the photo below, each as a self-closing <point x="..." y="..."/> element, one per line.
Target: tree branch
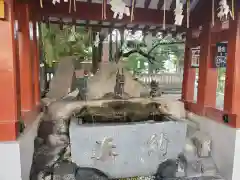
<point x="149" y="58"/>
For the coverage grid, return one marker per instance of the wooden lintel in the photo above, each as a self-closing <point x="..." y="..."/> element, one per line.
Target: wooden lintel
<point x="141" y="15"/>
<point x="219" y="36"/>
<point x="194" y="42"/>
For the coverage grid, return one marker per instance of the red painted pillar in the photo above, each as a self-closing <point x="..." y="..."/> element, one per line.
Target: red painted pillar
<point x="9" y="107"/>
<point x="189" y="74"/>
<point x="36" y="65"/>
<point x="207" y="83"/>
<point x="25" y="61"/>
<point x="232" y="85"/>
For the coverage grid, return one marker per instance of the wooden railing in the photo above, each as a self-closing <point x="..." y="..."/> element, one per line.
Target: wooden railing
<point x="166" y="81"/>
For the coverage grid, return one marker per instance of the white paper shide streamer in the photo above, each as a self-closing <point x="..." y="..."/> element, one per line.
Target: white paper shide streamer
<point x="119" y="8"/>
<point x="224" y="11"/>
<point x="97" y="40"/>
<point x="58" y="1"/>
<point x="55" y="1"/>
<point x="178" y="13"/>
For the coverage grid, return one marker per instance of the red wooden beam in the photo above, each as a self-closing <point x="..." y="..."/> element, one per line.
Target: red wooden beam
<point x="25" y="59"/>
<point x="219" y="36"/>
<point x="232" y="85"/>
<point x="207" y="84"/>
<point x="93" y="11"/>
<point x="189" y="74"/>
<point x="36" y="57"/>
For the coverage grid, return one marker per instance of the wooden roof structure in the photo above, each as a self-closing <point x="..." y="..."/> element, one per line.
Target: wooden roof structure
<point x="148" y="14"/>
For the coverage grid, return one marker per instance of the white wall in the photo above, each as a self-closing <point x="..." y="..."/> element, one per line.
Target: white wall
<point x="26" y="146"/>
<point x="224" y="139"/>
<point x="16" y="156"/>
<point x="10" y="165"/>
<point x="236" y="171"/>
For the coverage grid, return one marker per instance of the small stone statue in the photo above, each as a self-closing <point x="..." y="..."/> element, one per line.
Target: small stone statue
<point x="119" y="8"/>
<point x="154" y="88"/>
<point x="97" y="40"/>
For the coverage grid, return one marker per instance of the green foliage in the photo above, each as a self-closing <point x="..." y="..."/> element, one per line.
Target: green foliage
<point x="77" y="42"/>
<point x="67" y="42"/>
<point x="221" y="80"/>
<point x="163" y="49"/>
<point x="132" y="62"/>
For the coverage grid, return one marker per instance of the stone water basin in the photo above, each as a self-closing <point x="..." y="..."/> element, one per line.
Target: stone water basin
<point x="124" y="150"/>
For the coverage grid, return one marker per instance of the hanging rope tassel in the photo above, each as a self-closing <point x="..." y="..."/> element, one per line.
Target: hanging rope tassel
<point x="105" y="10"/>
<point x="75" y="7"/>
<point x="164" y="15"/>
<point x="41" y="3"/>
<point x="70" y="6"/>
<point x="188" y="12"/>
<point x="233" y="10"/>
<point x="213" y="13"/>
<point x="104" y="6"/>
<point x="132" y="10"/>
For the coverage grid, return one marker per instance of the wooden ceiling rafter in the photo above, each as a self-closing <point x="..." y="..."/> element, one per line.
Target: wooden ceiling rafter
<point x="74" y="24"/>
<point x="134" y="6"/>
<point x="99" y="23"/>
<point x="47" y="22"/>
<point x="123" y="27"/>
<point x="144" y="15"/>
<point x="98" y="27"/>
<point x="157" y="29"/>
<point x="87" y="25"/>
<point x="147" y="3"/>
<point x="196" y="11"/>
<point x="61" y="23"/>
<point x="196" y="14"/>
<point x="185" y="5"/>
<point x="135" y="28"/>
<point x="146" y="29"/>
<point x="160" y="4"/>
<point x="112" y="26"/>
<point x="185" y="8"/>
<point x="173" y="5"/>
<point x="154" y="31"/>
